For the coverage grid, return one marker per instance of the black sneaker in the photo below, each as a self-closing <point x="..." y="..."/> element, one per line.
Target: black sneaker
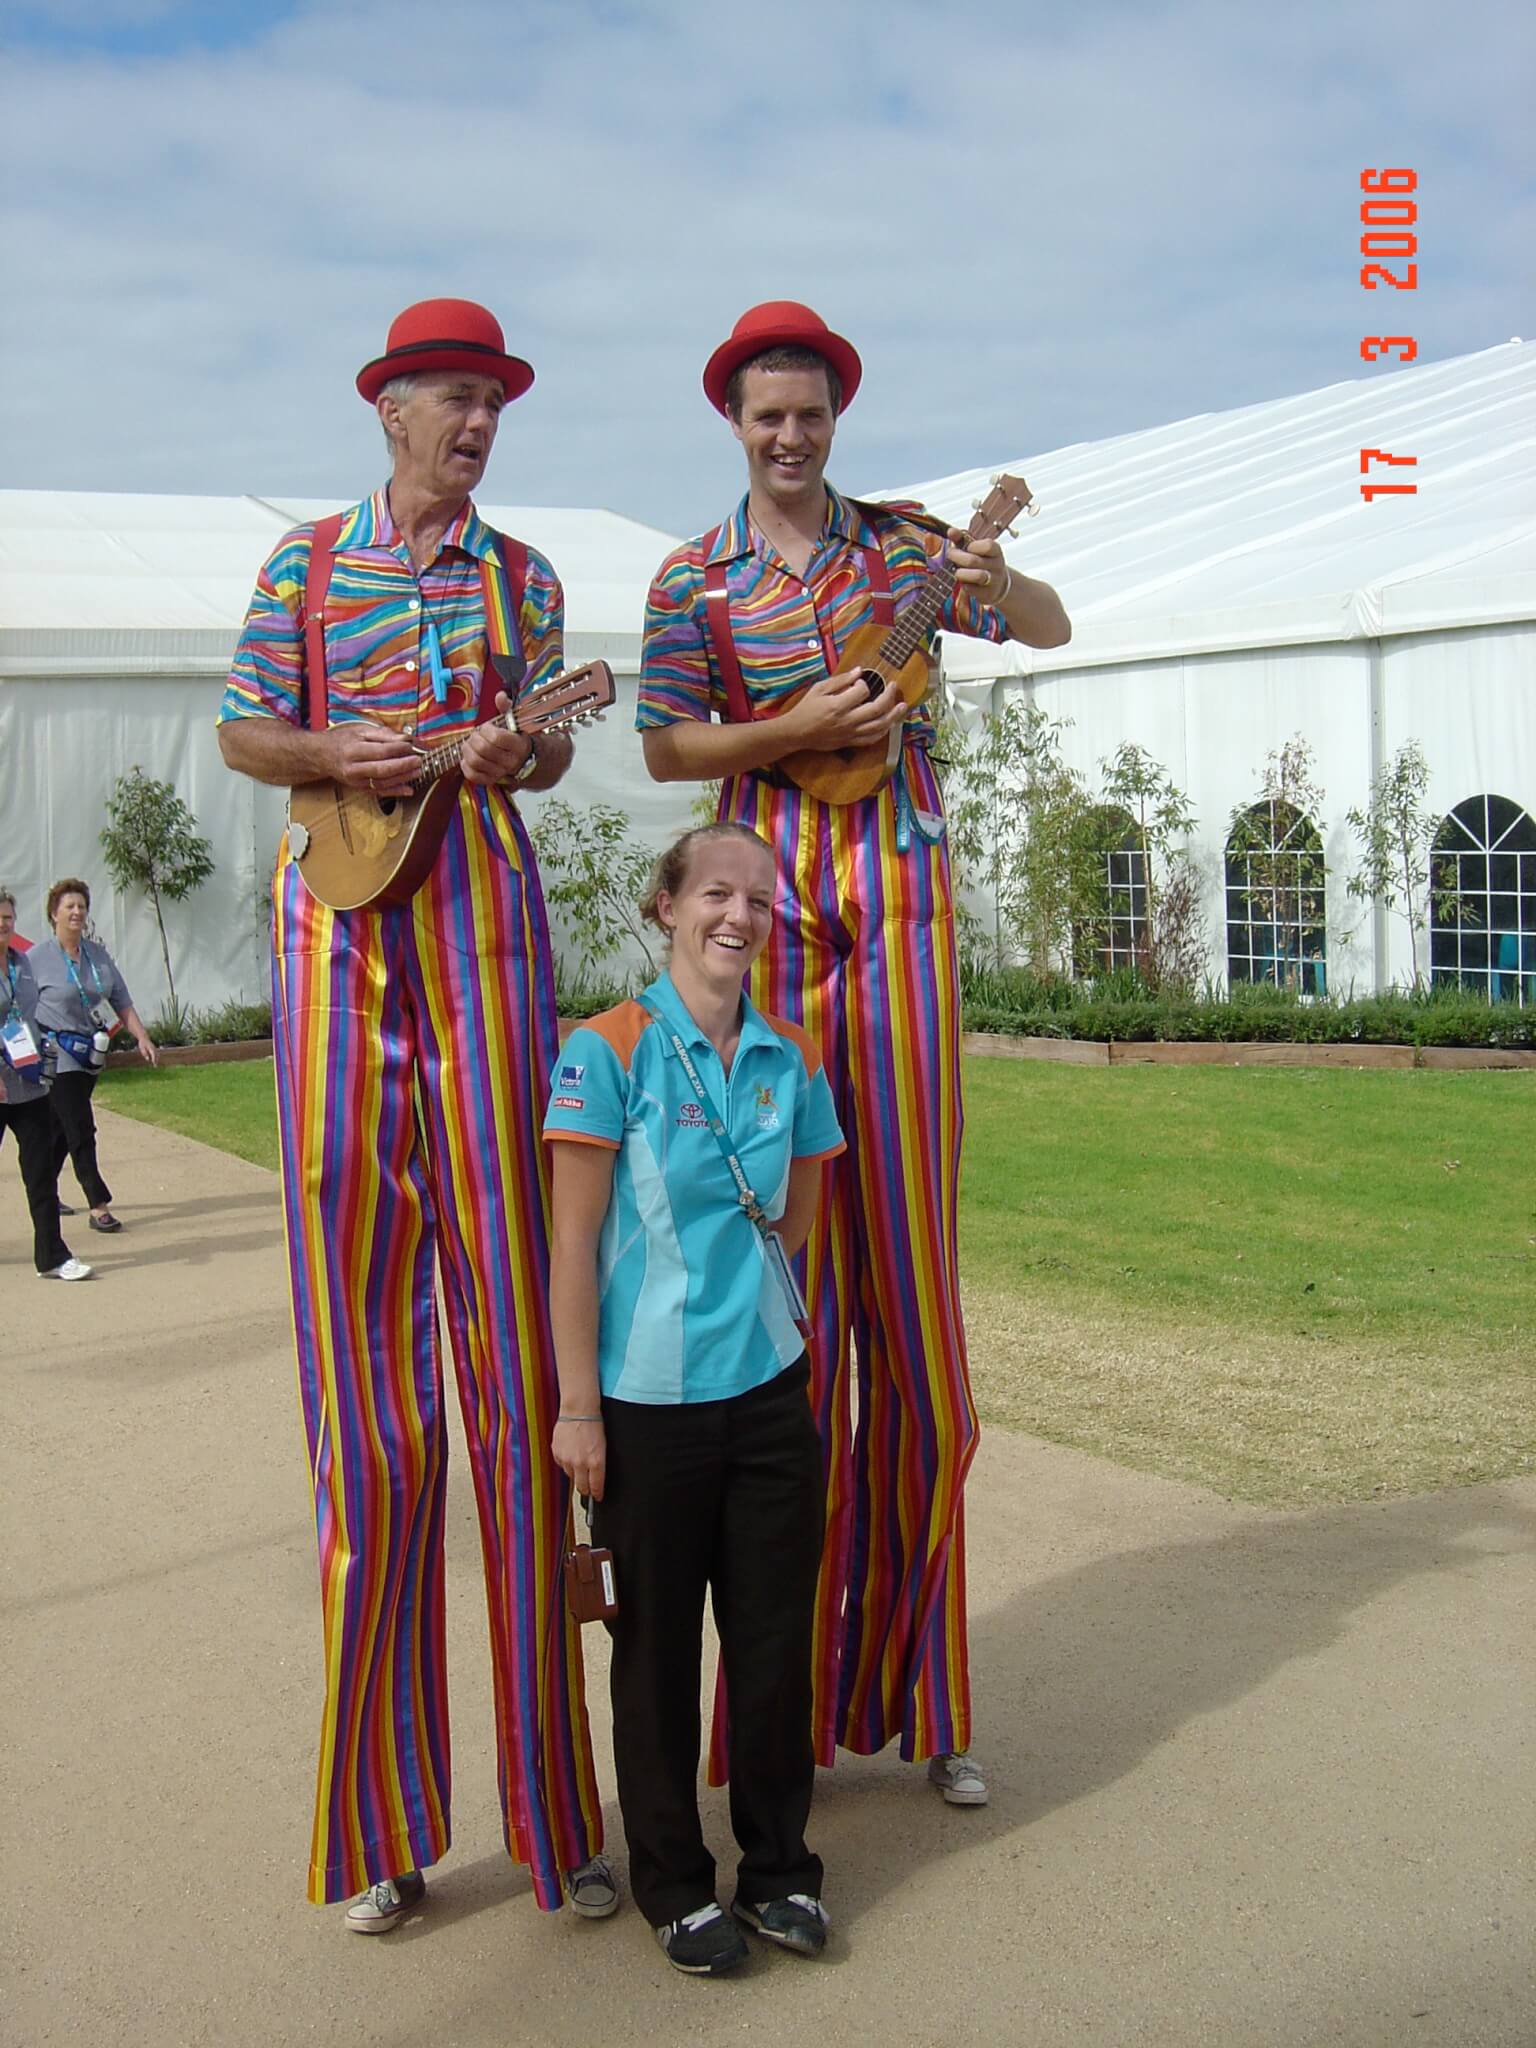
<point x="798" y="1922"/>
<point x="704" y="1944"/>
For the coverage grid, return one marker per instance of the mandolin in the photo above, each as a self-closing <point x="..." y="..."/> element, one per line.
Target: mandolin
<point x="896" y="654"/>
<point x="356" y="850"/>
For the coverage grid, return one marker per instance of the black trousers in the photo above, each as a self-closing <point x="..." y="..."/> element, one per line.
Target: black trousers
<point x="726" y="1495"/>
<point x="75" y="1134"/>
<point x="32" y="1124"/>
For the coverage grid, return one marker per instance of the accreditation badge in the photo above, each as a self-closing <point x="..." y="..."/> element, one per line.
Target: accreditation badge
<point x="103" y="1016"/>
<point x="21" y="1050"/>
<point x="784" y="1274"/>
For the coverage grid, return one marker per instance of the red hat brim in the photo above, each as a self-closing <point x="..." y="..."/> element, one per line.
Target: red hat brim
<point x="515" y="375"/>
<point x="730" y="355"/>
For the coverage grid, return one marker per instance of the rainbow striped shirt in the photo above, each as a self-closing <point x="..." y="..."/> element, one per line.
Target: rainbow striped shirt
<point x="787" y="631"/>
<point x="376" y="617"/>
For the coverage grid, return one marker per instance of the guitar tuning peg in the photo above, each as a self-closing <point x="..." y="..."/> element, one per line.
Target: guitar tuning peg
<point x="976" y="504"/>
<point x="1032" y="510"/>
<point x="1012" y="532"/>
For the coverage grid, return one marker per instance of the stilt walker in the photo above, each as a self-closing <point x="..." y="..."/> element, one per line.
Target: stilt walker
<point x="413" y="1042"/>
<point x="747" y="625"/>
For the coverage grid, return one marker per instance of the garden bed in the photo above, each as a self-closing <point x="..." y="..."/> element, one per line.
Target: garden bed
<point x="1082" y="1052"/>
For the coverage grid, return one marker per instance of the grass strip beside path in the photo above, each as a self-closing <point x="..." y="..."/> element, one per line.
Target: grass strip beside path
<point x="232" y="1106"/>
<point x="1290" y="1285"/>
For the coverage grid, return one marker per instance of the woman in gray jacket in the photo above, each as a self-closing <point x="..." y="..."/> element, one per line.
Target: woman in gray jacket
<point x="82" y="1000"/>
<point x="24" y="1104"/>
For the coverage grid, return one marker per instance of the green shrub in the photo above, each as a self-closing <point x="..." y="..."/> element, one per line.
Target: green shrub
<point x="584" y="994"/>
<point x="1120" y="1008"/>
<point x="233" y="1022"/>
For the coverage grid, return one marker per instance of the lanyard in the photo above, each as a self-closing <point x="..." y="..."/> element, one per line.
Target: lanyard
<point x="12" y="977"/>
<point x="79" y="984"/>
<point x="744" y="1193"/>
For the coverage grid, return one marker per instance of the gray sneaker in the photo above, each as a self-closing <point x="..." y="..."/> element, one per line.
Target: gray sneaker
<point x="385" y="1905"/>
<point x="959" y="1778"/>
<point x="592" y="1889"/>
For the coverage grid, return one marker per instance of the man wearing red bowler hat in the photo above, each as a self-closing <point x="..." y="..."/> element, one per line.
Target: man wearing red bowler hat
<point x="738" y="621"/>
<point x="413" y="1044"/>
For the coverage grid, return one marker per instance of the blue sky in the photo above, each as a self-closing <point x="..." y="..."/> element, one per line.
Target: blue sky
<point x="1039" y="226"/>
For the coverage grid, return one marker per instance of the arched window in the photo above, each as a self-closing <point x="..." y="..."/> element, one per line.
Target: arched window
<point x="1276" y="921"/>
<point x="1482" y="918"/>
<point x="1115" y="934"/>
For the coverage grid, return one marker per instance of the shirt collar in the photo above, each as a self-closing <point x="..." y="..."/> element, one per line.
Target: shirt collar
<point x="372" y="525"/>
<point x="843" y="522"/>
<point x="679" y="1018"/>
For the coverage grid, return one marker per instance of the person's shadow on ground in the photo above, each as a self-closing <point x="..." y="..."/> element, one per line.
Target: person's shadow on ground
<point x="1078" y="1678"/>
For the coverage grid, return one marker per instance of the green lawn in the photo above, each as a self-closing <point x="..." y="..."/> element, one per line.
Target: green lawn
<point x="230" y="1104"/>
<point x="1288" y="1284"/>
<point x="1303" y="1200"/>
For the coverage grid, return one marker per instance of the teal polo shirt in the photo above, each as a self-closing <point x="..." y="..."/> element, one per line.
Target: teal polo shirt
<point x="689" y="1310"/>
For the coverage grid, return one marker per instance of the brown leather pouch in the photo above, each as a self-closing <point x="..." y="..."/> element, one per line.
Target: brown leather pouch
<point x="589" y="1586"/>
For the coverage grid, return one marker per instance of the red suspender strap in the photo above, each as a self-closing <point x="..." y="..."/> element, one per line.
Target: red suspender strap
<point x="879" y="572"/>
<point x="717" y="619"/>
<point x="506" y="658"/>
<point x="315" y="704"/>
<point x="717" y="627"/>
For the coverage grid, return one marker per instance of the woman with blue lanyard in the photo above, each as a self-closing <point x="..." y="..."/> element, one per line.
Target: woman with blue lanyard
<point x="81" y="1001"/>
<point x="689" y="1134"/>
<point x="24" y="1102"/>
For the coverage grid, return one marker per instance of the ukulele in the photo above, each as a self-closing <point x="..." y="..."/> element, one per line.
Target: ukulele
<point x="356" y="850"/>
<point x="895" y="654"/>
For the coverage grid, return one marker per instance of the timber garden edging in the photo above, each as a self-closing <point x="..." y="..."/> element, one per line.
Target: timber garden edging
<point x="1077" y="1052"/>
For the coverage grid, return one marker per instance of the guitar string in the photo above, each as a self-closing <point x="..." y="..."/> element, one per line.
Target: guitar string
<point x="911" y="629"/>
<point x="441" y="758"/>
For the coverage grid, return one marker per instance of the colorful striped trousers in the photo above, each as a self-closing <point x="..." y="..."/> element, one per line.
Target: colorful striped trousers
<point x="413" y="1049"/>
<point x="864" y="958"/>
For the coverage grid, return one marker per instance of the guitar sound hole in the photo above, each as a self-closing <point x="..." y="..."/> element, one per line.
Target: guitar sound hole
<point x="873" y="681"/>
<point x="387" y="805"/>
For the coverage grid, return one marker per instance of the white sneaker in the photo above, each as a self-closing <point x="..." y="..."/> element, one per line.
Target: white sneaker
<point x="386" y="1904"/>
<point x="958" y="1778"/>
<point x="72" y="1269"/>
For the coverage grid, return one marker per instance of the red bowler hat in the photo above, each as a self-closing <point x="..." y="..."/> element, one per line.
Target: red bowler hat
<point x="446" y="334"/>
<point x="781" y="323"/>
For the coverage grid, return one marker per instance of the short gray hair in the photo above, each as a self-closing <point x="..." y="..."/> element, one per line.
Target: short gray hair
<point x="399" y="389"/>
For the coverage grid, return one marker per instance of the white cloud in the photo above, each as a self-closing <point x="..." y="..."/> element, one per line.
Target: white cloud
<point x="1036" y="230"/>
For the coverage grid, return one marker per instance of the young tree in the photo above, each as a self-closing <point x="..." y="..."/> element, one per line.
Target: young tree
<point x="594" y="875"/>
<point x="1163" y="817"/>
<point x="1271" y="844"/>
<point x="1396" y="833"/>
<point x="1022" y="827"/>
<point x="151" y="843"/>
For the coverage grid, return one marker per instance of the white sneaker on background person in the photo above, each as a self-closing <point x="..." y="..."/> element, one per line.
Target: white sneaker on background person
<point x="72" y="1269"/>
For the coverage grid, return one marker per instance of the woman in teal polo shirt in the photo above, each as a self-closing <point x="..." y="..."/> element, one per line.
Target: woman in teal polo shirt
<point x="690" y="1130"/>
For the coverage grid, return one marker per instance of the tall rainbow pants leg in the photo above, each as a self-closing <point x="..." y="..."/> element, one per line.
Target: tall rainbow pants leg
<point x="865" y="960"/>
<point x="413" y="1047"/>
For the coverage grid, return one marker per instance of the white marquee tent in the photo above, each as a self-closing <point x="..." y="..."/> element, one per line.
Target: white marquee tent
<point x="118" y="617"/>
<point x="1229" y="587"/>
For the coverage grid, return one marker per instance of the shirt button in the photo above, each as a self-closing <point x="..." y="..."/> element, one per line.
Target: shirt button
<point x="410" y="664"/>
<point x="415" y="604"/>
<point x="813" y="643"/>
